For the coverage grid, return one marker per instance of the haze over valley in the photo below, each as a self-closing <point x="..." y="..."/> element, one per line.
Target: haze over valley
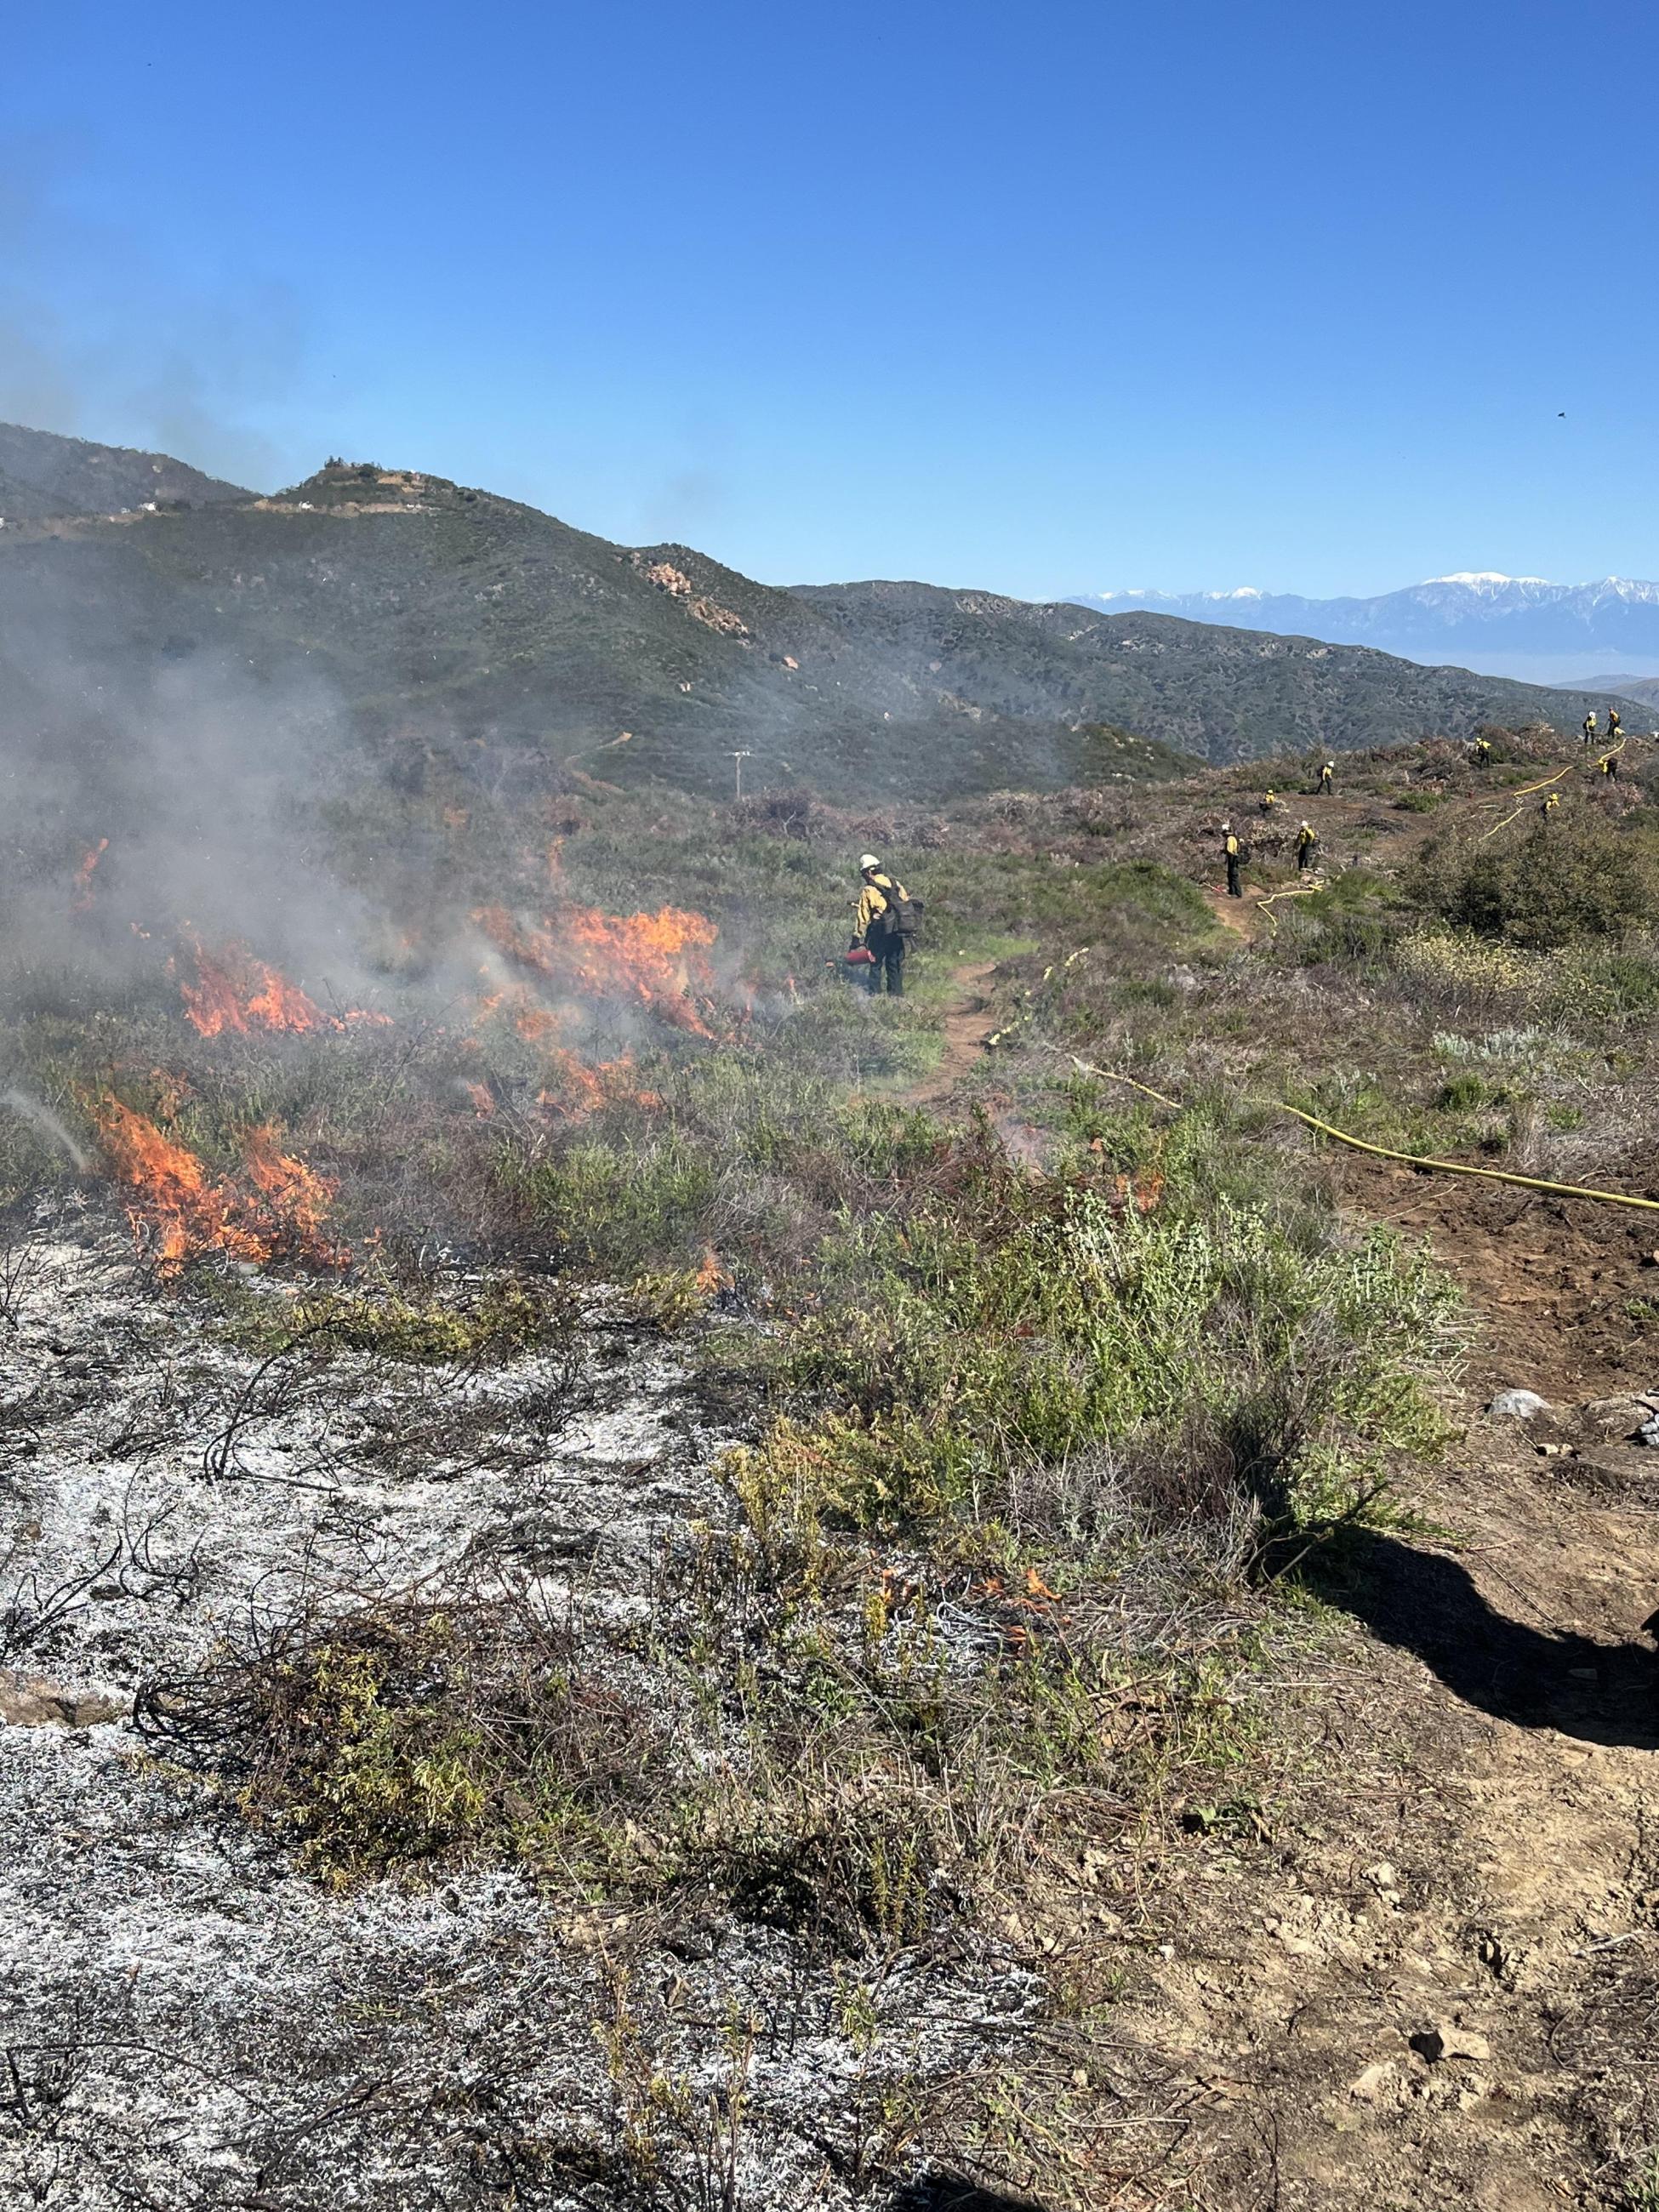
<point x="1515" y="626"/>
<point x="437" y="621"/>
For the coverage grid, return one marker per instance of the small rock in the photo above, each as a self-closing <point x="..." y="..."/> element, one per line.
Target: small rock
<point x="1298" y="1945"/>
<point x="1382" y="1875"/>
<point x="1519" y="1405"/>
<point x="1374" y="2084"/>
<point x="31" y="1701"/>
<point x="690" y="1946"/>
<point x="1618" y="1417"/>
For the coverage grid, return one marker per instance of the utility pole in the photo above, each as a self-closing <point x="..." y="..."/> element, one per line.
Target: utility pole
<point x="739" y="758"/>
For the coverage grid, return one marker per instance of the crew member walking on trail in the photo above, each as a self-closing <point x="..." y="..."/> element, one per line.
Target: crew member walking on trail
<point x="1230" y="847"/>
<point x="1328" y="769"/>
<point x="1552" y="802"/>
<point x="1306" y="838"/>
<point x="1613" y="722"/>
<point x="1483" y="752"/>
<point x="1590" y="727"/>
<point x="1608" y="765"/>
<point x="1269" y="800"/>
<point x="879" y="928"/>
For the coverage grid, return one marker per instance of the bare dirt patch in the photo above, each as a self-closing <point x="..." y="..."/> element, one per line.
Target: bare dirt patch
<point x="966" y="1027"/>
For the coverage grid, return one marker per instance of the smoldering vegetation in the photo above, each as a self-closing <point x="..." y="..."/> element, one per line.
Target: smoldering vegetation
<point x="612" y="1612"/>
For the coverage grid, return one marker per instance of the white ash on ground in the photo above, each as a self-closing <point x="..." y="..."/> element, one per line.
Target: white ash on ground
<point x="191" y="2021"/>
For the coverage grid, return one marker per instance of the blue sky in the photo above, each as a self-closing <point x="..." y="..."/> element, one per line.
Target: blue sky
<point x="1044" y="298"/>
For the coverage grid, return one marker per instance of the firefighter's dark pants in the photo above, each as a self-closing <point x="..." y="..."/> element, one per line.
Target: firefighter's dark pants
<point x="1234" y="888"/>
<point x="887" y="950"/>
<point x="1304" y="858"/>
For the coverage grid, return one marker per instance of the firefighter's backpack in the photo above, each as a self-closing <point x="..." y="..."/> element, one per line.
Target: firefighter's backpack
<point x="907" y="916"/>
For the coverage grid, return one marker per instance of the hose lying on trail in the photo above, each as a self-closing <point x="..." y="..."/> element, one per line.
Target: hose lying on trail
<point x="1384" y="1152"/>
<point x="1291" y="890"/>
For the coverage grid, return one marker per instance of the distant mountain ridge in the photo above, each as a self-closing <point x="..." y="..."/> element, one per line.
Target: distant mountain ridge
<point x="1645" y="690"/>
<point x="1494" y="617"/>
<point x="446" y="633"/>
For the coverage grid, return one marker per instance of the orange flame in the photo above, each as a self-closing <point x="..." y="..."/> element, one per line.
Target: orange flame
<point x="293" y="1202"/>
<point x="177" y="1213"/>
<point x="82" y="901"/>
<point x="237" y="992"/>
<point x="1146" y="1193"/>
<point x="576" y="1089"/>
<point x="652" y="960"/>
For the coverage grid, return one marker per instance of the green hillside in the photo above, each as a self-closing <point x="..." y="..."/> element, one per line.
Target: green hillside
<point x="1221" y="694"/>
<point x="42" y="474"/>
<point x="453" y="632"/>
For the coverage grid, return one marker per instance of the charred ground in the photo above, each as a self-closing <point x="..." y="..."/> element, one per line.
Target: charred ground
<point x="737" y="1608"/>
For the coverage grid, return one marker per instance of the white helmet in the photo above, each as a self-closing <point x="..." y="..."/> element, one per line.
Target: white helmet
<point x="868" y="860"/>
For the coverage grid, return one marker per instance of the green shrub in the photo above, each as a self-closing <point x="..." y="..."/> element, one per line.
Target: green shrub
<point x="616" y="1206"/>
<point x="1355" y="918"/>
<point x="1554" y="884"/>
<point x="503" y="1319"/>
<point x="1125" y="1315"/>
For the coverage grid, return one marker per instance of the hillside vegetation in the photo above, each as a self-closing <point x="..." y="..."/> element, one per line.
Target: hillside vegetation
<point x="681" y="1588"/>
<point x="42" y="476"/>
<point x="461" y="636"/>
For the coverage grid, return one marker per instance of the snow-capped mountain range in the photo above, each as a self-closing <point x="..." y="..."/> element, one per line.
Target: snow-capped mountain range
<point x="1522" y="626"/>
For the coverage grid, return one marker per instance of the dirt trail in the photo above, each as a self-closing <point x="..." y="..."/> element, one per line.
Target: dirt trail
<point x="1437" y="1984"/>
<point x="1433" y="1976"/>
<point x="968" y="1024"/>
<point x="1238" y="915"/>
<point x="1440" y="1985"/>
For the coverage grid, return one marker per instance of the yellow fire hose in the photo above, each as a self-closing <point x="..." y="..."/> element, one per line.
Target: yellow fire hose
<point x="1291" y="890"/>
<point x="1384" y="1152"/>
<point x="1525" y="789"/>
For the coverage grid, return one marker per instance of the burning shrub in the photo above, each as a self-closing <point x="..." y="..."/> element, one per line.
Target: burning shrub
<point x="241" y="994"/>
<point x="237" y="992"/>
<point x="275" y="1208"/>
<point x="653" y="961"/>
